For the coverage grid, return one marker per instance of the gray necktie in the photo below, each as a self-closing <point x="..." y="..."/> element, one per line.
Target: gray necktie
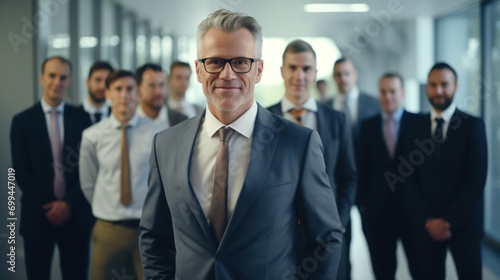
<point x="218" y="207"/>
<point x="347" y="112"/>
<point x="56" y="146"/>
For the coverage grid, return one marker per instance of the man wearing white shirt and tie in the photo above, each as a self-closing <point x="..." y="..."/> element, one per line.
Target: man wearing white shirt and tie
<point x="114" y="170"/>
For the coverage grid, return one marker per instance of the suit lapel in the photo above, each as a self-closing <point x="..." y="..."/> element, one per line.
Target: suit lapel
<point x="262" y="154"/>
<point x="186" y="148"/>
<point x="322" y="124"/>
<point x="40" y="130"/>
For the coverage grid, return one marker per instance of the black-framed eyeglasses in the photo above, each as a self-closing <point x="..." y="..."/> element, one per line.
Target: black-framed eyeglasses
<point x="240" y="65"/>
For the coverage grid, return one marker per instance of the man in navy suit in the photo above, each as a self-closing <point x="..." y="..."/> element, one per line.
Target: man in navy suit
<point x="199" y="223"/>
<point x="445" y="190"/>
<point x="299" y="73"/>
<point x="44" y="141"/>
<point x="379" y="200"/>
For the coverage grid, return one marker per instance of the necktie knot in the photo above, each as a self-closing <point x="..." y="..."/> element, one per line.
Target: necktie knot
<point x="97" y="117"/>
<point x="439" y="121"/>
<point x="225" y="133"/>
<point x="298" y="114"/>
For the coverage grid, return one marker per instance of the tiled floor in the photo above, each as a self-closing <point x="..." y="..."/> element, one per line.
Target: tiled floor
<point x="361" y="266"/>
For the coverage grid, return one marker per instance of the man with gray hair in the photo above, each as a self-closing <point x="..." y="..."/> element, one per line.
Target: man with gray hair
<point x="227" y="187"/>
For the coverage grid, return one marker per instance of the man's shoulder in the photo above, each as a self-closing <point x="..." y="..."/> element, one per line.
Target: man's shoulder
<point x="29" y="112"/>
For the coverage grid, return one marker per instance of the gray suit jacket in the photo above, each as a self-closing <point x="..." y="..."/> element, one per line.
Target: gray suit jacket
<point x="285" y="181"/>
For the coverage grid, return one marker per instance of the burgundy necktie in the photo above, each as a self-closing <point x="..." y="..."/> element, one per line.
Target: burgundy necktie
<point x="218" y="207"/>
<point x="56" y="146"/>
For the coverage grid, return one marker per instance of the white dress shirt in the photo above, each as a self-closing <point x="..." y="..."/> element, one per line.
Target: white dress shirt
<point x="309" y="120"/>
<point x="205" y="153"/>
<point x="352" y="103"/>
<point x="445" y="115"/>
<point x="92" y="110"/>
<point x="161" y="119"/>
<point x="182" y="107"/>
<point x="100" y="166"/>
<point x="46" y="108"/>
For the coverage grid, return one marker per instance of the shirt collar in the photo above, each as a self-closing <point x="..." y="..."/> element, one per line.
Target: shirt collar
<point x="244" y="125"/>
<point x="162" y="115"/>
<point x="47" y="108"/>
<point x="133" y="122"/>
<point x="310" y="105"/>
<point x="396" y="116"/>
<point x="351" y="95"/>
<point x="176" y="104"/>
<point x="91" y="109"/>
<point x="446" y="114"/>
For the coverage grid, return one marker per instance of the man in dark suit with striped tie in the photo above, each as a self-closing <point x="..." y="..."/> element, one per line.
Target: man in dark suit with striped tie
<point x="44" y="144"/>
<point x="379" y="197"/>
<point x="299" y="73"/>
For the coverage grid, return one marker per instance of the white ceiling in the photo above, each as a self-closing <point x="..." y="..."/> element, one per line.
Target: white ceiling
<point x="285" y="18"/>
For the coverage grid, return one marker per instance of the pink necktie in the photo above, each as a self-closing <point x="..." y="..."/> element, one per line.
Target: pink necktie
<point x="389" y="136"/>
<point x="55" y="144"/>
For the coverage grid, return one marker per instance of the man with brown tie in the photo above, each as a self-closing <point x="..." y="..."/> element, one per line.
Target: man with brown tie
<point x="44" y="143"/>
<point x="227" y="187"/>
<point x="114" y="168"/>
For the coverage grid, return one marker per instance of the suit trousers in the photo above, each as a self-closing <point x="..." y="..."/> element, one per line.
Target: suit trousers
<point x="73" y="246"/>
<point x="115" y="252"/>
<point x="382" y="231"/>
<point x="345" y="259"/>
<point x="431" y="257"/>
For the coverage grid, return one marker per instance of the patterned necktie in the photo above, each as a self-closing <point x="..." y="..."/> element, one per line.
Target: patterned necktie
<point x="56" y="146"/>
<point x="125" y="194"/>
<point x="390" y="136"/>
<point x="218" y="206"/>
<point x="298" y="114"/>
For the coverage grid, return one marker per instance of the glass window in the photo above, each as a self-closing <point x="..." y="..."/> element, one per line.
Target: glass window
<point x="492" y="118"/>
<point x="88" y="43"/>
<point x="141" y="43"/>
<point x="462" y="51"/>
<point x="58" y="40"/>
<point x="128" y="43"/>
<point x="110" y="40"/>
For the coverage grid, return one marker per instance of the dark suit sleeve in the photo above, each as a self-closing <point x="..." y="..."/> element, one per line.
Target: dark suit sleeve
<point x="80" y="121"/>
<point x="475" y="179"/>
<point x="345" y="172"/>
<point x="363" y="160"/>
<point x="21" y="160"/>
<point x="318" y="213"/>
<point x="156" y="240"/>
